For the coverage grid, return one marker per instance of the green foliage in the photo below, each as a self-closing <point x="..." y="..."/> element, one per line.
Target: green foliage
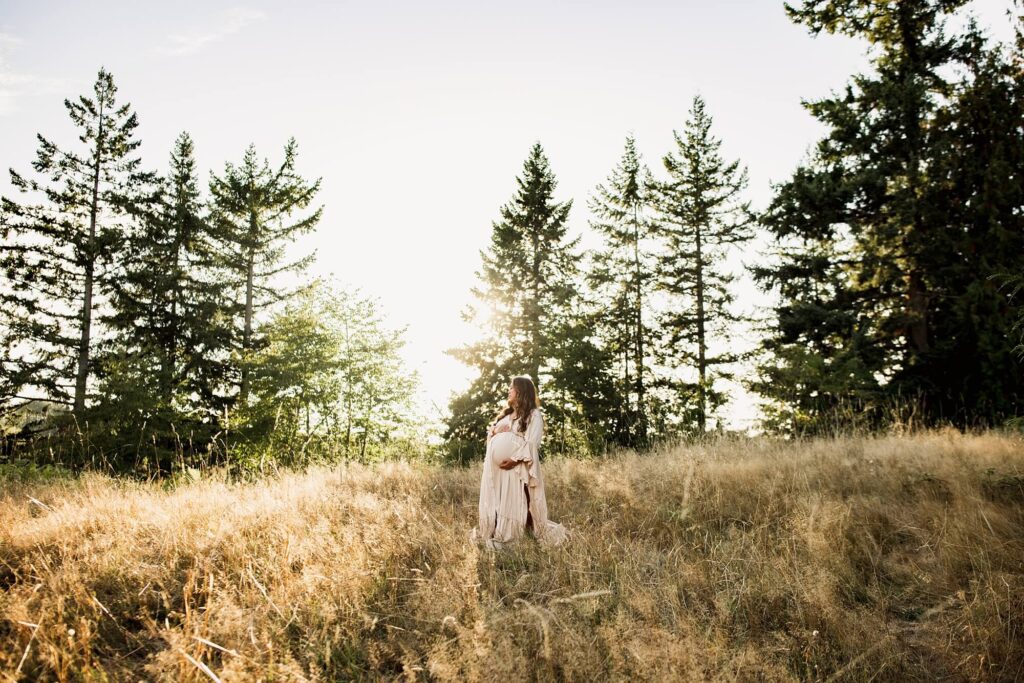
<point x="29" y="472"/>
<point x="621" y="274"/>
<point x="59" y="255"/>
<point x="700" y="213"/>
<point x="888" y="236"/>
<point x="163" y="374"/>
<point x="971" y="374"/>
<point x="531" y="315"/>
<point x="328" y="381"/>
<point x="155" y="326"/>
<point x="206" y="359"/>
<point x="1018" y="326"/>
<point x="253" y="209"/>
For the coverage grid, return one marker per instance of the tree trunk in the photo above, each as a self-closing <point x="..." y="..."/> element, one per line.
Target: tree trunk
<point x="639" y="361"/>
<point x="917" y="295"/>
<point x="247" y="329"/>
<point x="171" y="355"/>
<point x="701" y="340"/>
<point x="625" y="425"/>
<point x="917" y="300"/>
<point x="535" y="313"/>
<point x="82" y="378"/>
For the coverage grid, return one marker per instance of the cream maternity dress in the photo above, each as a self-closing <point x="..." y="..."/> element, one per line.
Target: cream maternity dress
<point x="506" y="496"/>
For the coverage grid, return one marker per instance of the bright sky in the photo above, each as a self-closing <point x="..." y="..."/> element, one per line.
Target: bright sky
<point x="418" y="116"/>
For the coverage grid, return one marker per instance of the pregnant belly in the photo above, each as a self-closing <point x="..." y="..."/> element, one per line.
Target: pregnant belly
<point x="504" y="445"/>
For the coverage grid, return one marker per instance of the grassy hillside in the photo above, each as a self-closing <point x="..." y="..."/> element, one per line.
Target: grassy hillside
<point x="876" y="558"/>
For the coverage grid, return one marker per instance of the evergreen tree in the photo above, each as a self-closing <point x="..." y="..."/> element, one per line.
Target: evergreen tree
<point x="528" y="279"/>
<point x="1017" y="278"/>
<point x="622" y="274"/>
<point x="820" y="358"/>
<point x="975" y="232"/>
<point x="701" y="214"/>
<point x="882" y="130"/>
<point x="165" y="371"/>
<point x="1014" y="284"/>
<point x="581" y="395"/>
<point x="25" y="364"/>
<point x="63" y="250"/>
<point x="471" y="410"/>
<point x="253" y="207"/>
<point x="906" y="195"/>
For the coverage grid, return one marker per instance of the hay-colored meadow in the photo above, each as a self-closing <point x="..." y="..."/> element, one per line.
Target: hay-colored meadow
<point x="885" y="558"/>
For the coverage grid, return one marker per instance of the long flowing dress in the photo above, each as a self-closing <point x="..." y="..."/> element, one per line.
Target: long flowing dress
<point x="511" y="498"/>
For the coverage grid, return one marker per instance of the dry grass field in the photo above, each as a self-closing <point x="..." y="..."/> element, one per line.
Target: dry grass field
<point x="877" y="558"/>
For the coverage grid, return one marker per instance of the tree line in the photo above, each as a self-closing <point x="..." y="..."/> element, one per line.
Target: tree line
<point x="172" y="327"/>
<point x="161" y="321"/>
<point x="894" y="249"/>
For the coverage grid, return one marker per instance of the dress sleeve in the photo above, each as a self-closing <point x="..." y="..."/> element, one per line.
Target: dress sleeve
<point x="529" y="453"/>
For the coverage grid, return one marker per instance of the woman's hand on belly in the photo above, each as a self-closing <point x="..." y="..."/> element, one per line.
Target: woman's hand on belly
<point x="503" y="449"/>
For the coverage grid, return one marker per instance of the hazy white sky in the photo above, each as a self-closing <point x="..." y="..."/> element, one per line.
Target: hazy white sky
<point x="418" y="116"/>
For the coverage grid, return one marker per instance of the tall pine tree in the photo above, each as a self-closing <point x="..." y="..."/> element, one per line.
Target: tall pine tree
<point x="819" y="359"/>
<point x="700" y="213"/>
<point x="62" y="250"/>
<point x="164" y="373"/>
<point x="972" y="209"/>
<point x="254" y="211"/>
<point x="622" y="274"/>
<point x="528" y="279"/>
<point x="912" y="196"/>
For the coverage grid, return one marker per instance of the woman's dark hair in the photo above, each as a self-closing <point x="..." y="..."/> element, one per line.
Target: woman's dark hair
<point x="526" y="400"/>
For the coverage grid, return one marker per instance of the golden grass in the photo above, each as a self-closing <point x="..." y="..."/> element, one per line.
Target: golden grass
<point x="888" y="558"/>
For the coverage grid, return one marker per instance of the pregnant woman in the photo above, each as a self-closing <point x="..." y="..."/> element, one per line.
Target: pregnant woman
<point x="512" y="498"/>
